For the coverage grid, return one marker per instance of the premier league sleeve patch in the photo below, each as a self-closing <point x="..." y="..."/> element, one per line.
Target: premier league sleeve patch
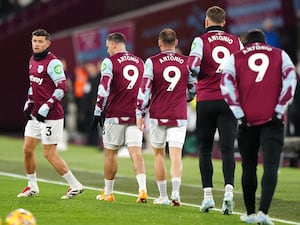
<point x="55" y="70"/>
<point x="58" y="69"/>
<point x="107" y="67"/>
<point x="103" y="67"/>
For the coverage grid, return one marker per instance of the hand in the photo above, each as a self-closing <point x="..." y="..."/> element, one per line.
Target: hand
<point x="27" y="110"/>
<point x="102" y="119"/>
<point x="242" y="122"/>
<point x="27" y="114"/>
<point x="140" y="123"/>
<point x="277" y="118"/>
<point x="97" y="120"/>
<point x="43" y="112"/>
<point x="190" y="97"/>
<point x="40" y="118"/>
<point x="191" y="92"/>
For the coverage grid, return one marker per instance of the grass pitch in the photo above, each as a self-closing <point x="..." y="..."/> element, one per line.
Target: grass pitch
<point x="87" y="164"/>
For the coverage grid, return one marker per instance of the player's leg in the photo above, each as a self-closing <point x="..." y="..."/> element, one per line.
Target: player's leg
<point x="31" y="139"/>
<point x="272" y="135"/>
<point x="29" y="146"/>
<point x="113" y="138"/>
<point x="161" y="175"/>
<point x="175" y="138"/>
<point x="110" y="171"/>
<point x="137" y="158"/>
<point x="227" y="131"/>
<point x="176" y="174"/>
<point x="51" y="134"/>
<point x="158" y="142"/>
<point x="133" y="140"/>
<point x="248" y="144"/>
<point x="205" y="130"/>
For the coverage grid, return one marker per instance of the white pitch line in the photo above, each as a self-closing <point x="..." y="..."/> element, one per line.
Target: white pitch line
<point x="152" y="177"/>
<point x="128" y="194"/>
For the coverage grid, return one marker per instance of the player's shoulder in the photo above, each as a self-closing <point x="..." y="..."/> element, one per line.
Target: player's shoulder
<point x="125" y="56"/>
<point x="155" y="56"/>
<point x="230" y="34"/>
<point x="134" y="55"/>
<point x="181" y="55"/>
<point x="276" y="49"/>
<point x="53" y="60"/>
<point x="51" y="56"/>
<point x="235" y="39"/>
<point x="137" y="57"/>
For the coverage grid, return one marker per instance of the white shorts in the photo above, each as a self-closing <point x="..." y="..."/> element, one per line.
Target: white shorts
<point x="115" y="135"/>
<point x="159" y="135"/>
<point x="49" y="132"/>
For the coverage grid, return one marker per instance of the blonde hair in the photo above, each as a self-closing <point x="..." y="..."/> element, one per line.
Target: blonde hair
<point x="216" y="14"/>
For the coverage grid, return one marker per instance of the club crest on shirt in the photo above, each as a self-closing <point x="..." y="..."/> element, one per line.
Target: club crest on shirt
<point x="40" y="68"/>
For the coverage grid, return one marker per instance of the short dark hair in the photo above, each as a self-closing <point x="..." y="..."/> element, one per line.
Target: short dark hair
<point x="167" y="36"/>
<point x="216" y="14"/>
<point x="41" y="32"/>
<point x="255" y="35"/>
<point x="117" y="37"/>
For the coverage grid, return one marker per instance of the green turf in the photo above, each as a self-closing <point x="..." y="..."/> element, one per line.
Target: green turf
<point x="87" y="164"/>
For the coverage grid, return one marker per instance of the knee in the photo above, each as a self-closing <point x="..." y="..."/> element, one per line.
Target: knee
<point x="28" y="150"/>
<point x="136" y="157"/>
<point x="205" y="153"/>
<point x="249" y="166"/>
<point x="47" y="155"/>
<point x="159" y="153"/>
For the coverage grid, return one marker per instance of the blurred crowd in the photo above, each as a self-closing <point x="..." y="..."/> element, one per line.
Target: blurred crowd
<point x="8" y="7"/>
<point x="79" y="103"/>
